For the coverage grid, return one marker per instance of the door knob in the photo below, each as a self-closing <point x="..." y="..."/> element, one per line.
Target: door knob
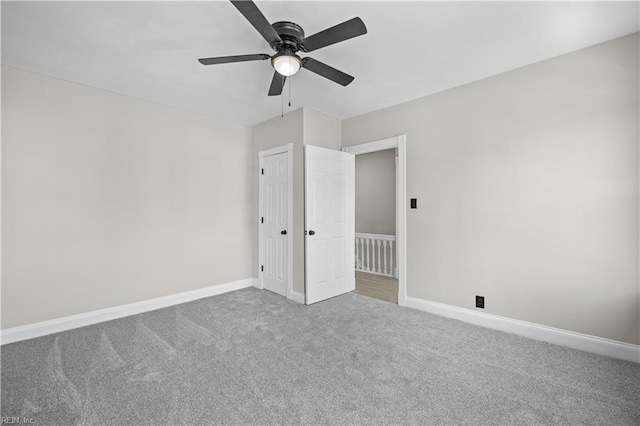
<point x="312" y="232"/>
<point x="284" y="232"/>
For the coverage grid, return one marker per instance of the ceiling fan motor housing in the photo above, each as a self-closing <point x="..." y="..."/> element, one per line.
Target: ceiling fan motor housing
<point x="291" y="35"/>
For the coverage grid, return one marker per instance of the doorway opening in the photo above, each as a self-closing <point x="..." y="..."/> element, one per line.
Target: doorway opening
<point x="375" y="222"/>
<point x="380" y="237"/>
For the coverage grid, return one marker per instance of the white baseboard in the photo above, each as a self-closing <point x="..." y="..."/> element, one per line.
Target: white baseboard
<point x="256" y="283"/>
<point x="297" y="296"/>
<point x="585" y="342"/>
<point x="57" y="325"/>
<point x="402" y="299"/>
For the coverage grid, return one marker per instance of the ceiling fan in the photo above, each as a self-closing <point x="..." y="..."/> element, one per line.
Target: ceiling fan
<point x="287" y="38"/>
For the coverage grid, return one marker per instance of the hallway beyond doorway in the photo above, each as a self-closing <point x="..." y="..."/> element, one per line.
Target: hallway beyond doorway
<point x="377" y="286"/>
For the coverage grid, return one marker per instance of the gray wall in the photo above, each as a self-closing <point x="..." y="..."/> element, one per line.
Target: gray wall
<point x="321" y="130"/>
<point x="109" y="200"/>
<point x="376" y="192"/>
<point x="527" y="187"/>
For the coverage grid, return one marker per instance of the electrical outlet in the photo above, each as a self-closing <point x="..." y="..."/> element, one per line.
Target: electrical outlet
<point x="480" y="302"/>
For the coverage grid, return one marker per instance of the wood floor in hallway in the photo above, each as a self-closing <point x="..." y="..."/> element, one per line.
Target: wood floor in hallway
<point x="377" y="286"/>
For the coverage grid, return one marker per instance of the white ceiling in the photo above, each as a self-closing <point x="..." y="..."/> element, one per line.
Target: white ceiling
<point x="149" y="50"/>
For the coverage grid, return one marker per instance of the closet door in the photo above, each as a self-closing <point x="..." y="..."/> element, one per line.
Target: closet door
<point x="275" y="240"/>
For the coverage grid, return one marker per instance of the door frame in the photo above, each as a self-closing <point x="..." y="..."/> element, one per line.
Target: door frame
<point x="288" y="149"/>
<point x="399" y="142"/>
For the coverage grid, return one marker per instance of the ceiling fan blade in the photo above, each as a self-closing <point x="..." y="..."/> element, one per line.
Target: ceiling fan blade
<point x="237" y="58"/>
<point x="326" y="71"/>
<point x="277" y="83"/>
<point x="341" y="32"/>
<point x="250" y="11"/>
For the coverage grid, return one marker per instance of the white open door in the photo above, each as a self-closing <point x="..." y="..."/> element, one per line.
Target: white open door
<point x="329" y="223"/>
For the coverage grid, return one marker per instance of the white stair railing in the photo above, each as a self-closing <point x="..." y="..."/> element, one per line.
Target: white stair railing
<point x="376" y="254"/>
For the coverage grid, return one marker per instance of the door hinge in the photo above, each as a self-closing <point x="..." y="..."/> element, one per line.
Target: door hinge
<point x="262" y="171"/>
<point x="262" y="268"/>
<point x="262" y="219"/>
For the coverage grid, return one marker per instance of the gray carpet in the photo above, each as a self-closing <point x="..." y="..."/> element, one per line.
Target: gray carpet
<point x="252" y="357"/>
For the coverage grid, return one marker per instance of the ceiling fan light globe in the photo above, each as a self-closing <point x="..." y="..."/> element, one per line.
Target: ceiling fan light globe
<point x="286" y="65"/>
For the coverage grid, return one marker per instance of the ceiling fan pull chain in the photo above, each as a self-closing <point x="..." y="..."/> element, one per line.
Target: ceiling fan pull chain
<point x="290" y="83"/>
<point x="282" y="98"/>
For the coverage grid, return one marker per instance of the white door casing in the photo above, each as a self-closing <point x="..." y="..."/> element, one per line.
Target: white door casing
<point x="398" y="142"/>
<point x="275" y="220"/>
<point x="329" y="223"/>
